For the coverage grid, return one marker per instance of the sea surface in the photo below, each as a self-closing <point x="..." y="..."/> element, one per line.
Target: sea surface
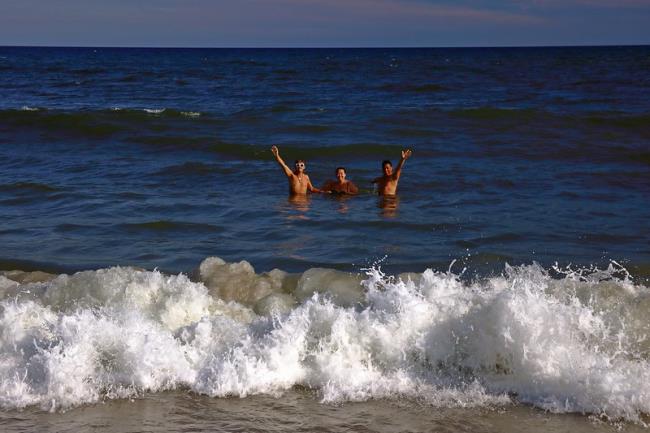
<point x="150" y="255"/>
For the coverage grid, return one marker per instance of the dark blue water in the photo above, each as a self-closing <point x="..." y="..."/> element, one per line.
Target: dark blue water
<point x="160" y="158"/>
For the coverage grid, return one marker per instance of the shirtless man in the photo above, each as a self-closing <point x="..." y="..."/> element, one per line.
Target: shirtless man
<point x="340" y="185"/>
<point x="387" y="184"/>
<point x="299" y="182"/>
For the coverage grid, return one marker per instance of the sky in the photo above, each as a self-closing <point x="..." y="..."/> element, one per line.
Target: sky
<point x="324" y="23"/>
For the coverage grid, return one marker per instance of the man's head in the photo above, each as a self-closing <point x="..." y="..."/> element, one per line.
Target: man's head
<point x="300" y="165"/>
<point x="387" y="167"/>
<point x="340" y="174"/>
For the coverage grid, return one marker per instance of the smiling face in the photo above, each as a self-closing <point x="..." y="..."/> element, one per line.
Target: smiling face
<point x="340" y="175"/>
<point x="387" y="167"/>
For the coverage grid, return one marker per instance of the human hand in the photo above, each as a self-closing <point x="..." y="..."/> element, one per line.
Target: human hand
<point x="406" y="153"/>
<point x="275" y="150"/>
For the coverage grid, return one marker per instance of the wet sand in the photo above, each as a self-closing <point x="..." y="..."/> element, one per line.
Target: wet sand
<point x="298" y="411"/>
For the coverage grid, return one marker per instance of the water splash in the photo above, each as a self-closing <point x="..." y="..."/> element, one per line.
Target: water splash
<point x="564" y="340"/>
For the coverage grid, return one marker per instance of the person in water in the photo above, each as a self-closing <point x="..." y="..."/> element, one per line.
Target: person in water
<point x="299" y="182"/>
<point x="340" y="185"/>
<point x="387" y="184"/>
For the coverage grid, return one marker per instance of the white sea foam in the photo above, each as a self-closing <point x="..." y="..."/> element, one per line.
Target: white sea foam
<point x="573" y="344"/>
<point x="191" y="113"/>
<point x="27" y="108"/>
<point x="154" y="110"/>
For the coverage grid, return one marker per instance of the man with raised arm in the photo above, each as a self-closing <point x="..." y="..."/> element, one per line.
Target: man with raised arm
<point x="299" y="182"/>
<point x="387" y="184"/>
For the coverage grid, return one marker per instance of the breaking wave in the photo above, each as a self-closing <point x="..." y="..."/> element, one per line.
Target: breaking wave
<point x="558" y="339"/>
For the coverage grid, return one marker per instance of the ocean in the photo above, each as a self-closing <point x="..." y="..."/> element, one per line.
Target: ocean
<point x="154" y="269"/>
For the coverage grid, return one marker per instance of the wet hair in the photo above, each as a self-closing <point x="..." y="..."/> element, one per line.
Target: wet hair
<point x="386" y="161"/>
<point x="299" y="160"/>
<point x="340" y="168"/>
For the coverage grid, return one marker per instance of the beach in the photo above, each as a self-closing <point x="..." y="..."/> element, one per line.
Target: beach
<point x="154" y="269"/>
<point x="295" y="411"/>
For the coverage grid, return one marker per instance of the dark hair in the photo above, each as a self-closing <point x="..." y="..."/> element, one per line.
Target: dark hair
<point x="340" y="168"/>
<point x="386" y="161"/>
<point x="299" y="160"/>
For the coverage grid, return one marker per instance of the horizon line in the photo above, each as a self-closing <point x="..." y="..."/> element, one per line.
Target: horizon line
<point x="308" y="47"/>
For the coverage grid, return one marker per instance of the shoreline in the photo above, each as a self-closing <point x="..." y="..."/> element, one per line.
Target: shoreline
<point x="639" y="272"/>
<point x="300" y="410"/>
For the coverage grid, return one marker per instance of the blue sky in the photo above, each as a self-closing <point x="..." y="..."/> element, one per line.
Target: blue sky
<point x="297" y="23"/>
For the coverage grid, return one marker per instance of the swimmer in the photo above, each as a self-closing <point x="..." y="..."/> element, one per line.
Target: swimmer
<point x="387" y="184"/>
<point x="340" y="185"/>
<point x="299" y="182"/>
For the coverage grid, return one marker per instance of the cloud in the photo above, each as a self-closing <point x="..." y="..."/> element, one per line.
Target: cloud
<point x="629" y="4"/>
<point x="395" y="10"/>
<point x="322" y="22"/>
<point x="344" y="15"/>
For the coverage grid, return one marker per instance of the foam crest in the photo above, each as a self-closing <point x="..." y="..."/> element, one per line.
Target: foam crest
<point x="571" y="342"/>
<point x="174" y="300"/>
<point x="276" y="289"/>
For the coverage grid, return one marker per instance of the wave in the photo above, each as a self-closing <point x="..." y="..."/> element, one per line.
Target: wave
<point x="154" y="110"/>
<point x="562" y="340"/>
<point x="496" y="113"/>
<point x="96" y="123"/>
<point x="352" y="150"/>
<point x="28" y="186"/>
<point x="286" y="73"/>
<point x="29" y="112"/>
<point x="412" y="88"/>
<point x="621" y="120"/>
<point x="130" y="78"/>
<point x="190" y="169"/>
<point x="173" y="141"/>
<point x="609" y="119"/>
<point x="414" y="132"/>
<point x="306" y="129"/>
<point x="183" y="128"/>
<point x="163" y="112"/>
<point x="248" y="62"/>
<point x="168" y="225"/>
<point x="89" y="71"/>
<point x="282" y="108"/>
<point x="487" y="240"/>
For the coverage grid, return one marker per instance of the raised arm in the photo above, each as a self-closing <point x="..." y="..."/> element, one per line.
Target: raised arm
<point x="405" y="155"/>
<point x="276" y="153"/>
